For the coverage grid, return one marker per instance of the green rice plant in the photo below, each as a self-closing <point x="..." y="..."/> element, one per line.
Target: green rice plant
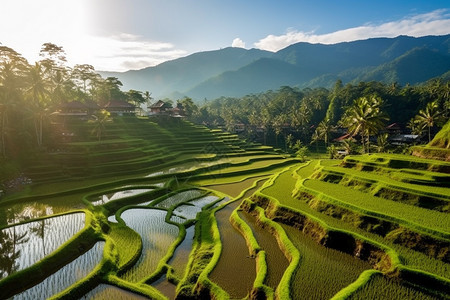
<point x="260" y="289"/>
<point x="396" y="161"/>
<point x="157" y="236"/>
<point x="381" y="287"/>
<point x="416" y="218"/>
<point x="128" y="245"/>
<point x="322" y="271"/>
<point x="377" y="182"/>
<point x="178" y="198"/>
<point x="203" y="257"/>
<point x="362" y="280"/>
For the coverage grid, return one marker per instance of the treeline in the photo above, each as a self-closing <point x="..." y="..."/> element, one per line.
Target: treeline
<point x="288" y="117"/>
<point x="308" y="115"/>
<point x="30" y="93"/>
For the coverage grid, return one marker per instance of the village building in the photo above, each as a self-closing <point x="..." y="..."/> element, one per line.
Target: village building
<point x="161" y="108"/>
<point x="120" y="108"/>
<point x="72" y="109"/>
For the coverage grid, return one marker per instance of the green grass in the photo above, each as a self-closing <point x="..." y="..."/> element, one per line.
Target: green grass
<point x="228" y="167"/>
<point x="416" y="218"/>
<point x="381" y="287"/>
<point x="322" y="272"/>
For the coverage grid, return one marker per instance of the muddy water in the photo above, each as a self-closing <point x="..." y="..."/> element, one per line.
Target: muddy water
<point x="105" y="291"/>
<point x="181" y="256"/>
<point x="235" y="271"/>
<point x="234" y="259"/>
<point x="276" y="261"/>
<point x="165" y="287"/>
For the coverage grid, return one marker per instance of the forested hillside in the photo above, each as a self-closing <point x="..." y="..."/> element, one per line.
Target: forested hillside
<point x="236" y="72"/>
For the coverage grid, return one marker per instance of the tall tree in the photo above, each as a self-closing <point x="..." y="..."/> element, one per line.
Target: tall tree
<point x="323" y="131"/>
<point x="37" y="91"/>
<point x="83" y="75"/>
<point x="188" y="106"/>
<point x="12" y="73"/>
<point x="364" y="117"/>
<point x="426" y="118"/>
<point x="53" y="60"/>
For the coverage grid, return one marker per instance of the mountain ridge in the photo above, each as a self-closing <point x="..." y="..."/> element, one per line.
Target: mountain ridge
<point x="235" y="72"/>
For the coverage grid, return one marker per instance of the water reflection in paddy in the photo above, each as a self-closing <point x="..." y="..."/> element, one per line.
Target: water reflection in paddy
<point x="191" y="166"/>
<point x="157" y="236"/>
<point x="25" y="244"/>
<point x="102" y="199"/>
<point x="189" y="211"/>
<point x="19" y="212"/>
<point x="66" y="276"/>
<point x="178" y="198"/>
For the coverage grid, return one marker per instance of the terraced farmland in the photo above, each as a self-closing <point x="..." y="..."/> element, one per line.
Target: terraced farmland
<point x="168" y="209"/>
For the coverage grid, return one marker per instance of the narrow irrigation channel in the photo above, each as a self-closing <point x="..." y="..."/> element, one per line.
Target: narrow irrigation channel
<point x="276" y="261"/>
<point x="235" y="258"/>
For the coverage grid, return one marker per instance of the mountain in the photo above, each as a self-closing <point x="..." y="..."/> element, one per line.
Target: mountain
<point x="184" y="73"/>
<point x="236" y="72"/>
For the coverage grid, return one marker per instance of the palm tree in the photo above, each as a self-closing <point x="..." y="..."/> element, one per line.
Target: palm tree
<point x="38" y="91"/>
<point x="12" y="68"/>
<point x="364" y="117"/>
<point x="323" y="130"/>
<point x="99" y="124"/>
<point x="382" y="142"/>
<point x="277" y="125"/>
<point x="427" y="117"/>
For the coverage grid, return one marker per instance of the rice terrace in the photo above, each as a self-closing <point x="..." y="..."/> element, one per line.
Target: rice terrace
<point x="312" y="164"/>
<point x="188" y="212"/>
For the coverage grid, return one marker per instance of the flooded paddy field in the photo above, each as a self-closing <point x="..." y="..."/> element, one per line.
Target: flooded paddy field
<point x="167" y="232"/>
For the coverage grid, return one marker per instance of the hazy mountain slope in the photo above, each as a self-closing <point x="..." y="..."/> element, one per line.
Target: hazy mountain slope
<point x="236" y="71"/>
<point x="415" y="66"/>
<point x="186" y="72"/>
<point x="261" y="75"/>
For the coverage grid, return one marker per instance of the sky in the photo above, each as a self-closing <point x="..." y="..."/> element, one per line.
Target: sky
<point x="119" y="35"/>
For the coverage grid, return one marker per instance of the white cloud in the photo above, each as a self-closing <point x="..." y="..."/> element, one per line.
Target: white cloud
<point x="433" y="23"/>
<point x="65" y="24"/>
<point x="125" y="51"/>
<point x="238" y="43"/>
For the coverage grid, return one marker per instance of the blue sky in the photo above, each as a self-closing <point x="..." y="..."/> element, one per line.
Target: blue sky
<point x="132" y="34"/>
